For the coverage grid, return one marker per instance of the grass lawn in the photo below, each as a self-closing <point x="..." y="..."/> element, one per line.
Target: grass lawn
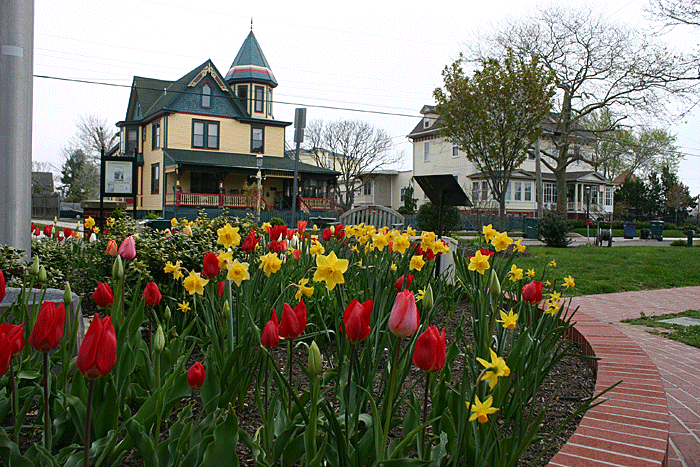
<point x="617" y="269"/>
<point x="686" y="334"/>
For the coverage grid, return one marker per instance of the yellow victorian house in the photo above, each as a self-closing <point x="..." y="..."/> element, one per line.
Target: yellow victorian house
<point x="200" y="141"/>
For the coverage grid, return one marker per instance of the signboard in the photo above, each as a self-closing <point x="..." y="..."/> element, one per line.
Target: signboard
<point x="119" y="176"/>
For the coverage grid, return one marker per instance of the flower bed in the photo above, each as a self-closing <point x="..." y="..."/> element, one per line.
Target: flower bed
<point x="362" y="303"/>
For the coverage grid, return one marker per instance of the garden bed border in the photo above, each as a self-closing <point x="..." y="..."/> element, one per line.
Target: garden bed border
<point x="631" y="428"/>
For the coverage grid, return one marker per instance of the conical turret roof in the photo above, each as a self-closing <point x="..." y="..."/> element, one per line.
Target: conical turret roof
<point x="250" y="64"/>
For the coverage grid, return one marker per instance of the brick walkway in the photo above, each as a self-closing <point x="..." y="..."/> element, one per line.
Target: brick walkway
<point x="678" y="364"/>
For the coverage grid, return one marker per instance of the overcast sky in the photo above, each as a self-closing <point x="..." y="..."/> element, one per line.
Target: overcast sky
<point x="375" y="61"/>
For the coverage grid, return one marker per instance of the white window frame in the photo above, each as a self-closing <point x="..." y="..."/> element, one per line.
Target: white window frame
<point x="527" y="191"/>
<point x="455" y="151"/>
<point x="426" y="151"/>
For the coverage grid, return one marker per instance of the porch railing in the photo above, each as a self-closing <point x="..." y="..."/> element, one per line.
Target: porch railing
<point x="214" y="200"/>
<point x="316" y="204"/>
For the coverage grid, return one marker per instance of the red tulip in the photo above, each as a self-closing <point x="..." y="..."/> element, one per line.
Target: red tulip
<point x="211" y="265"/>
<point x="429" y="353"/>
<point x="98" y="352"/>
<point x="195" y="376"/>
<point x="430" y="254"/>
<point x="37" y="232"/>
<point x="111" y="248"/>
<point x="250" y="242"/>
<point x="48" y="230"/>
<point x="296" y="254"/>
<point x="532" y="292"/>
<point x="5" y="354"/>
<point x="399" y="282"/>
<point x="3" y="291"/>
<point x="278" y="232"/>
<point x="15" y="337"/>
<point x="151" y="294"/>
<point x="270" y="335"/>
<point x="293" y="321"/>
<point x="220" y="288"/>
<point x="127" y="250"/>
<point x="290" y="233"/>
<point x="67" y="233"/>
<point x="277" y="247"/>
<point x="403" y="320"/>
<point x="339" y="231"/>
<point x="356" y="320"/>
<point x="326" y="234"/>
<point x="48" y="329"/>
<point x="301" y="226"/>
<point x="103" y="295"/>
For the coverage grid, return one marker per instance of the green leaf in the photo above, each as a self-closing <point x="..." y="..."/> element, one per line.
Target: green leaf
<point x="222" y="450"/>
<point x="143" y="442"/>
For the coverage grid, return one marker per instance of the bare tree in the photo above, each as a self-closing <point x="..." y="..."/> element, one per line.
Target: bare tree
<point x="351" y="147"/>
<point x="94" y="135"/>
<point x="676" y="12"/>
<point x="597" y="65"/>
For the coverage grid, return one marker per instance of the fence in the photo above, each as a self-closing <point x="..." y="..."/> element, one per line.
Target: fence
<point x="45" y="206"/>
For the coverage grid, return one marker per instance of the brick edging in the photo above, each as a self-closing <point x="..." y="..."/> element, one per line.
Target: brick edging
<point x="630" y="429"/>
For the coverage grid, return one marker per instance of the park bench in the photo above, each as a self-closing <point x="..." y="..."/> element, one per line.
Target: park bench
<point x="378" y="216"/>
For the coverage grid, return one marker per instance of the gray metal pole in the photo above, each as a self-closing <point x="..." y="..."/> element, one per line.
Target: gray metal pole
<point x="538" y="180"/>
<point x="16" y="90"/>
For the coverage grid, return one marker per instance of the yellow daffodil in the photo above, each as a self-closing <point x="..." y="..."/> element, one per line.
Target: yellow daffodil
<point x="489" y="232"/>
<point x="184" y="306"/>
<point x="359" y="263"/>
<point x="266" y="226"/>
<point x="96" y="230"/>
<point x="417" y="262"/>
<point x="479" y="263"/>
<point x="555" y="296"/>
<point x="420" y="295"/>
<point x="225" y="258"/>
<point x="518" y="247"/>
<point x="530" y="273"/>
<point x="270" y="263"/>
<point x="238" y="272"/>
<point x="194" y="283"/>
<point x="496" y="368"/>
<point x="110" y="222"/>
<point x="330" y="269"/>
<point x="501" y="241"/>
<point x="362" y="239"/>
<point x="481" y="411"/>
<point x="552" y="308"/>
<point x="187" y="231"/>
<point x="316" y="248"/>
<point x="379" y="241"/>
<point x="509" y="320"/>
<point x="410" y="231"/>
<point x="393" y="267"/>
<point x="173" y="222"/>
<point x="440" y="247"/>
<point x="569" y="282"/>
<point x="89" y="222"/>
<point x="515" y="273"/>
<point x="175" y="269"/>
<point x="547" y="284"/>
<point x="228" y="236"/>
<point x="302" y="289"/>
<point x="552" y="264"/>
<point x="426" y="240"/>
<point x="355" y="249"/>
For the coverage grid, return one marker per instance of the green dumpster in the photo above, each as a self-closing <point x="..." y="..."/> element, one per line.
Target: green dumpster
<point x="530" y="227"/>
<point x="657" y="229"/>
<point x="159" y="224"/>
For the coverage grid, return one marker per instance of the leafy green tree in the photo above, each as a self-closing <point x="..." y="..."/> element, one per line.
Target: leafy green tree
<point x="495" y="115"/>
<point x="409" y="202"/>
<point x="80" y="176"/>
<point x="631" y="202"/>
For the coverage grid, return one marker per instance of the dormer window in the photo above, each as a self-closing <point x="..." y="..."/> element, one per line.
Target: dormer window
<point x="426" y="122"/>
<point x="206" y="95"/>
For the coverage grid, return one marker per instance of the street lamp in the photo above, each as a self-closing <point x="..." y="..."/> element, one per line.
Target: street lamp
<point x="259" y="163"/>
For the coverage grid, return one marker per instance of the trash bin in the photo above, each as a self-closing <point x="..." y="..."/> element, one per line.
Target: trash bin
<point x="530" y="227"/>
<point x="645" y="234"/>
<point x="657" y="229"/>
<point x="690" y="237"/>
<point x="159" y="224"/>
<point x="629" y="230"/>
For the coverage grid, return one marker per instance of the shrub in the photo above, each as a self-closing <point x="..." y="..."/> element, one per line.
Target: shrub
<point x="427" y="218"/>
<point x="679" y="243"/>
<point x="276" y="221"/>
<point x="553" y="229"/>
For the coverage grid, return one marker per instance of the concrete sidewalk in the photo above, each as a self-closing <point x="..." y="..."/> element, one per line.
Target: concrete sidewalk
<point x="678" y="364"/>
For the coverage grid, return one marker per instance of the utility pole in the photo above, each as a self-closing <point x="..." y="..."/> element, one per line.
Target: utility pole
<point x="538" y="180"/>
<point x="16" y="92"/>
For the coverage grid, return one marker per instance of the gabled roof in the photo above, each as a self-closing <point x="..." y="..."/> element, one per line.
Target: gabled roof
<point x="157" y="96"/>
<point x="250" y="64"/>
<point x="239" y="161"/>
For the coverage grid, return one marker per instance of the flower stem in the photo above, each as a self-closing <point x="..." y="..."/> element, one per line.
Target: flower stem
<point x="86" y="454"/>
<point x="390" y="395"/>
<point x="347" y="396"/>
<point x="14" y="399"/>
<point x="47" y="419"/>
<point x="290" y="362"/>
<point x="425" y="411"/>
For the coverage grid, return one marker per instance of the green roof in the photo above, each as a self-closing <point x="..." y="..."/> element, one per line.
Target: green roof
<point x="250" y="64"/>
<point x="239" y="161"/>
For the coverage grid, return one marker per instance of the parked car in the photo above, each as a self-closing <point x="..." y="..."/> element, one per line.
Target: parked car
<point x="70" y="213"/>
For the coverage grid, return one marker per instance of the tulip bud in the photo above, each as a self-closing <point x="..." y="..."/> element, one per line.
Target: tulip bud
<point x="167" y="313"/>
<point x="159" y="340"/>
<point x="67" y="295"/>
<point x="315" y="362"/>
<point x="42" y="274"/>
<point x="117" y="269"/>
<point x="34" y="269"/>
<point x="195" y="376"/>
<point x="495" y="287"/>
<point x="227" y="310"/>
<point x="428" y="300"/>
<point x="55" y="219"/>
<point x="93" y="237"/>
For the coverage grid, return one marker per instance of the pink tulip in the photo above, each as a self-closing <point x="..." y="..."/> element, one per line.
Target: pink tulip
<point x="404" y="320"/>
<point x="127" y="250"/>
